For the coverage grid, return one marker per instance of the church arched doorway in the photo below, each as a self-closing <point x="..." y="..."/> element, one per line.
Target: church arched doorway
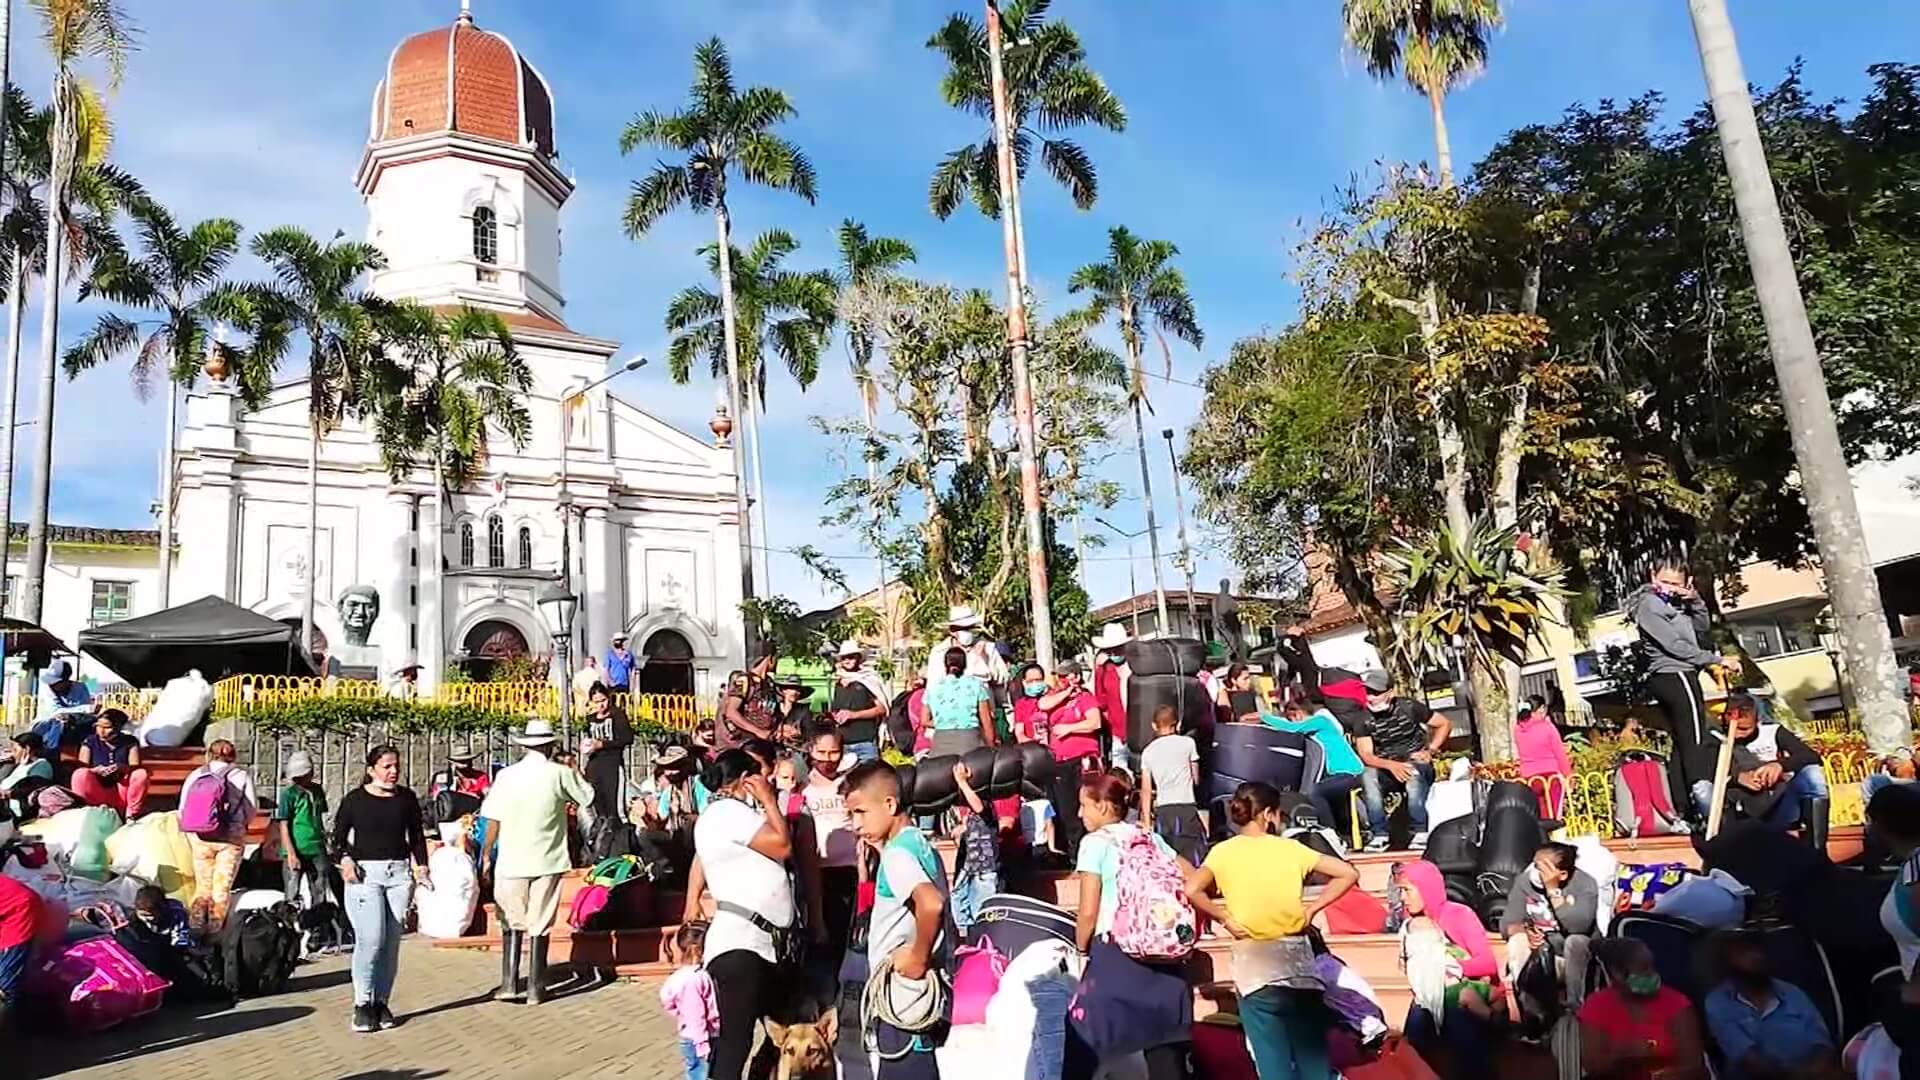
<point x="490" y="646"/>
<point x="669" y="664"/>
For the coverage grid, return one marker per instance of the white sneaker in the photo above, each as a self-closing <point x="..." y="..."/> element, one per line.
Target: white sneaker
<point x="1376" y="845"/>
<point x="1419" y="842"/>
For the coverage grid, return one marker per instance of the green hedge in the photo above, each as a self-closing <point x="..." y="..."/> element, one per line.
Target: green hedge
<point x="394" y="716"/>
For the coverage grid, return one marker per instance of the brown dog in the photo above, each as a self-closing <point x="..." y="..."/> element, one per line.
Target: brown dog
<point x="806" y="1050"/>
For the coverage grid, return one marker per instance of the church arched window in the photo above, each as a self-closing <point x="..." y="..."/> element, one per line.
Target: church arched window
<point x="526" y="547"/>
<point x="496" y="542"/>
<point x="466" y="543"/>
<point x="486" y="235"/>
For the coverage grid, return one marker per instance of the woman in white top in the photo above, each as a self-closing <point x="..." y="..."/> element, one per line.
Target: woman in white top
<point x="741" y="844"/>
<point x="216" y="857"/>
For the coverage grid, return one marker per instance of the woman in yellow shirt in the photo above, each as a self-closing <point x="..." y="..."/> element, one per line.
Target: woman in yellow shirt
<point x="1260" y="878"/>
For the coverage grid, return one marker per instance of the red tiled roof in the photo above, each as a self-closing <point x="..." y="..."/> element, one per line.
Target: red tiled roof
<point x="526" y="320"/>
<point x="491" y="87"/>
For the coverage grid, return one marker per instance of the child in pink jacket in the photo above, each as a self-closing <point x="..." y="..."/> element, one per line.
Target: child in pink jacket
<point x="687" y="995"/>
<point x="1543" y="754"/>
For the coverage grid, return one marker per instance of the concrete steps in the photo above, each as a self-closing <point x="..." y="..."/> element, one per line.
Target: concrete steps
<point x="167" y="772"/>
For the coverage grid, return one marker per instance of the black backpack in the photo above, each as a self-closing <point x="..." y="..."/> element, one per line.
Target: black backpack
<point x="258" y="949"/>
<point x="450" y="805"/>
<point x="899" y="724"/>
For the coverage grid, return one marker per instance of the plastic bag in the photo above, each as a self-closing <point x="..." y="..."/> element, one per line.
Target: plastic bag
<point x="89" y="856"/>
<point x="446" y="909"/>
<point x="99" y="985"/>
<point x="154" y="850"/>
<point x="182" y="702"/>
<point x="60" y="833"/>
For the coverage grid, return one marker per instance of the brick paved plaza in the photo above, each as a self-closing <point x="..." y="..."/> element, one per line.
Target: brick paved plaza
<point x="449" y="1028"/>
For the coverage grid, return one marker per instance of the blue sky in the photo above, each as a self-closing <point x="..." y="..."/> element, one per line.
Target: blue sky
<point x="1244" y="116"/>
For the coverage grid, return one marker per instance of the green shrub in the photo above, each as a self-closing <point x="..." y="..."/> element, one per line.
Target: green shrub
<point x="394" y="717"/>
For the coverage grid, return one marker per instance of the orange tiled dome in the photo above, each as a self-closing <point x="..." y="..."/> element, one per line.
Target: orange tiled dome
<point x="461" y="78"/>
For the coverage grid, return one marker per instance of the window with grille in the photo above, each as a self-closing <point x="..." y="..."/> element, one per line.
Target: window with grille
<point x="526" y="547"/>
<point x="486" y="235"/>
<point x="466" y="543"/>
<point x="112" y="601"/>
<point x="496" y="542"/>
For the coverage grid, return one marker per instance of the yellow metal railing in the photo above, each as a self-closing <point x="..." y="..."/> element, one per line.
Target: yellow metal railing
<point x="244" y="693"/>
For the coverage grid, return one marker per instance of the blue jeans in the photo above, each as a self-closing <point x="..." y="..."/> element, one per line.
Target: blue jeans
<point x="13" y="972"/>
<point x="690" y="1057"/>
<point x="969" y="891"/>
<point x="377" y="907"/>
<point x="1324" y="794"/>
<point x="1287" y="1031"/>
<point x="1877" y="783"/>
<point x="1467" y="1038"/>
<point x="1373" y="791"/>
<point x="863" y="751"/>
<point x="1808" y="783"/>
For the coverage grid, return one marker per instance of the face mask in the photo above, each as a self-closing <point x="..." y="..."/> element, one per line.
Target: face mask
<point x="964" y="637"/>
<point x="1035" y="689"/>
<point x="1645" y="985"/>
<point x="1114" y="658"/>
<point x="386" y="785"/>
<point x="1533" y="877"/>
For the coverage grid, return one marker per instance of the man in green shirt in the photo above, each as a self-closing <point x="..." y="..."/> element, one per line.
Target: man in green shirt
<point x="301" y="816"/>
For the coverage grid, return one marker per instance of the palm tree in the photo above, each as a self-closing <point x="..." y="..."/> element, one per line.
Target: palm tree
<point x="178" y="278"/>
<point x="721" y="131"/>
<point x="75" y="31"/>
<point x="1438" y="44"/>
<point x="95" y="195"/>
<point x="865" y="258"/>
<point x="318" y="296"/>
<point x="1137" y="285"/>
<point x="1050" y="89"/>
<point x="784" y="313"/>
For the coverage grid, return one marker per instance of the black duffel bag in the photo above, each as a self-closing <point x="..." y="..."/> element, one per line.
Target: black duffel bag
<point x="1166" y="656"/>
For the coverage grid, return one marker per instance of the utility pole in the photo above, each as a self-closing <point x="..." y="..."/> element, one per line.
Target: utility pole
<point x="1186" y="549"/>
<point x="1017" y="345"/>
<point x="1844" y="560"/>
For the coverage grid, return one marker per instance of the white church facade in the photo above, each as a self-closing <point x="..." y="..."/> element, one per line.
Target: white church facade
<point x="464" y="194"/>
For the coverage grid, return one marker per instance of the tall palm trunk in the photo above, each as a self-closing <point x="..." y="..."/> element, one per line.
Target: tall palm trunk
<point x="723" y="226"/>
<point x="440" y="518"/>
<point x="1442" y="145"/>
<point x="759" y="503"/>
<point x="1128" y="332"/>
<point x="313" y="537"/>
<point x="166" y="494"/>
<point x="10" y="413"/>
<point x="1844" y="559"/>
<point x="868" y="411"/>
<point x="42" y="490"/>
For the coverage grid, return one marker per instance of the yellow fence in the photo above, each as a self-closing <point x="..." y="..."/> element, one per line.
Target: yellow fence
<point x="244" y="693"/>
<point x="1588" y="808"/>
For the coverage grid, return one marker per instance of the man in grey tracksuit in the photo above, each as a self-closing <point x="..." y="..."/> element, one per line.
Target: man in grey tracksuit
<point x="1673" y="626"/>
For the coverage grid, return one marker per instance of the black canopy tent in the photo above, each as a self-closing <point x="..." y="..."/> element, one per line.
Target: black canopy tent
<point x="210" y="634"/>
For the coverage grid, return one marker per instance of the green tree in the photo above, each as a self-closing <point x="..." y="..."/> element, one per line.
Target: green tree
<point x="179" y="278"/>
<point x="721" y="131"/>
<point x="318" y="296"/>
<point x="459" y="377"/>
<point x="1437" y="44"/>
<point x="77" y="32"/>
<point x="1138" y="286"/>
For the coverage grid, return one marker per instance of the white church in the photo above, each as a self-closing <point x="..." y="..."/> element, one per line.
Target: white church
<point x="463" y="192"/>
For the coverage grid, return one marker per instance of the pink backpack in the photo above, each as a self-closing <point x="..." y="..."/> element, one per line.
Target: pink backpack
<point x="975" y="979"/>
<point x="207" y="807"/>
<point x="99" y="985"/>
<point x="590" y="901"/>
<point x="1152" y="919"/>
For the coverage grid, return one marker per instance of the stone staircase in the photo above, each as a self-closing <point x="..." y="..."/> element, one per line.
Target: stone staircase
<point x="641" y="953"/>
<point x="167" y="771"/>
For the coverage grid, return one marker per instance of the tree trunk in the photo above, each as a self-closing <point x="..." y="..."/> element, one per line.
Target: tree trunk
<point x="10" y="413"/>
<point x="166" y="491"/>
<point x="1492" y="713"/>
<point x="867" y="410"/>
<point x="1442" y="145"/>
<point x="1848" y="566"/>
<point x="759" y="501"/>
<point x="313" y="538"/>
<point x="1452" y="444"/>
<point x="1146" y="484"/>
<point x="1512" y="448"/>
<point x="723" y="228"/>
<point x="42" y="483"/>
<point x="440" y="519"/>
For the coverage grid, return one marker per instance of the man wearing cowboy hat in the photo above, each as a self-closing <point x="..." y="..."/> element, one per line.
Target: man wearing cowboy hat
<point x="983" y="656"/>
<point x="528" y="804"/>
<point x="1110" y="691"/>
<point x="619" y="665"/>
<point x="462" y="775"/>
<point x="404" y="681"/>
<point x="858" y="705"/>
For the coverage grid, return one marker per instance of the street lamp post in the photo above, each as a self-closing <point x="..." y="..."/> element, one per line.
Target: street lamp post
<point x="565" y="500"/>
<point x="1133" y="588"/>
<point x="559" y="605"/>
<point x="1186" y="549"/>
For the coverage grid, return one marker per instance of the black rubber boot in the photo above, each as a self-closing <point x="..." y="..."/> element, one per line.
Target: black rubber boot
<point x="1813" y="821"/>
<point x="509" y="966"/>
<point x="536" y="969"/>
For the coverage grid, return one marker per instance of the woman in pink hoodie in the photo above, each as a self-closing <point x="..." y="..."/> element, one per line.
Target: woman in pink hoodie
<point x="1471" y="970"/>
<point x="1543" y="755"/>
